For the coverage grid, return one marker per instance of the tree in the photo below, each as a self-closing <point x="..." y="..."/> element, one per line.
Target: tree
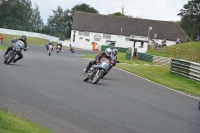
<point x="117" y="14"/>
<point x="36" y="21"/>
<point x="190" y="18"/>
<point x="82" y="8"/>
<point x="16" y="14"/>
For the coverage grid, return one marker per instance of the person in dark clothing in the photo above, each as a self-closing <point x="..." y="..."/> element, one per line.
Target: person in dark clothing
<point x="19" y="53"/>
<point x="106" y="54"/>
<point x="49" y="43"/>
<point x="60" y="45"/>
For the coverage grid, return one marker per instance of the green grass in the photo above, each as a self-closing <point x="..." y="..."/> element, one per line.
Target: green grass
<point x="10" y="123"/>
<point x="30" y="40"/>
<point x="157" y="73"/>
<point x="3" y="46"/>
<point x="188" y="51"/>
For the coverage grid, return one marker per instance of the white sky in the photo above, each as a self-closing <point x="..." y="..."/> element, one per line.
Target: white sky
<point x="146" y="9"/>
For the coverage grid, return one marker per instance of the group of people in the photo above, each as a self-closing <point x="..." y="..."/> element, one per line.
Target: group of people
<point x="160" y="43"/>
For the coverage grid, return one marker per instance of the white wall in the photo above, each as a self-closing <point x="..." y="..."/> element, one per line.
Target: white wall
<point x="120" y="40"/>
<point x="33" y="34"/>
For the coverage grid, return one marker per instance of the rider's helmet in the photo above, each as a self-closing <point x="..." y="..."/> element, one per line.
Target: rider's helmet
<point x="108" y="51"/>
<point x="23" y="37"/>
<point x="69" y="44"/>
<point x="115" y="51"/>
<point x="50" y="41"/>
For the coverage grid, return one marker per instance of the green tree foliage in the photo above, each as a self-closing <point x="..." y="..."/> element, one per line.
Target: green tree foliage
<point x="190" y="18"/>
<point x="60" y="23"/>
<point x="36" y="20"/>
<point x="15" y="14"/>
<point x="82" y="8"/>
<point x="19" y="15"/>
<point x="117" y="14"/>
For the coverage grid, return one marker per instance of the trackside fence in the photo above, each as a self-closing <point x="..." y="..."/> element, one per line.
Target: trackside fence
<point x="185" y="68"/>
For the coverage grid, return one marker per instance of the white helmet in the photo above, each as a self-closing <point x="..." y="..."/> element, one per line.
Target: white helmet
<point x="108" y="51"/>
<point x="50" y="41"/>
<point x="115" y="51"/>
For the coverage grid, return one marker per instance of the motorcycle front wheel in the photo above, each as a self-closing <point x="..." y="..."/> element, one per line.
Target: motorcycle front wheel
<point x="97" y="77"/>
<point x="11" y="58"/>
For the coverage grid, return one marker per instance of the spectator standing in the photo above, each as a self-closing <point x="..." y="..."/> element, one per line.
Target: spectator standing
<point x="1" y="39"/>
<point x="164" y="42"/>
<point x="150" y="43"/>
<point x="178" y="40"/>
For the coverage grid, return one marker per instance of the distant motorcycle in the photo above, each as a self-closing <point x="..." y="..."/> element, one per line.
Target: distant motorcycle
<point x="50" y="50"/>
<point x="72" y="49"/>
<point x="58" y="48"/>
<point x="18" y="47"/>
<point x="97" y="71"/>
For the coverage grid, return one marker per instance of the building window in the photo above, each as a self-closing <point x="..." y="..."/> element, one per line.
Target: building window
<point x="127" y="38"/>
<point x="108" y="36"/>
<point x="86" y="33"/>
<point x="83" y="33"/>
<point x="80" y="33"/>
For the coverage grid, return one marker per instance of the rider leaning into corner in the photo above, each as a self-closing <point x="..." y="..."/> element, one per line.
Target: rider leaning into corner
<point x="106" y="54"/>
<point x="114" y="57"/>
<point x="49" y="43"/>
<point x="59" y="43"/>
<point x="20" y="55"/>
<point x="70" y="47"/>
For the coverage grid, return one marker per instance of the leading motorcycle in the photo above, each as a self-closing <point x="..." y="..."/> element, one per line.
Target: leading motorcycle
<point x="18" y="47"/>
<point x="97" y="70"/>
<point x="50" y="49"/>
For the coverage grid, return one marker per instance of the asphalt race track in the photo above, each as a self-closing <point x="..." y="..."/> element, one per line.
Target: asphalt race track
<point x="50" y="91"/>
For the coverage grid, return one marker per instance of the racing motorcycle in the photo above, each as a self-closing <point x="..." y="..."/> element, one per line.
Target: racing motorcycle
<point x="50" y="49"/>
<point x="111" y="65"/>
<point x="58" y="48"/>
<point x="97" y="71"/>
<point x="72" y="49"/>
<point x="199" y="105"/>
<point x="18" y="47"/>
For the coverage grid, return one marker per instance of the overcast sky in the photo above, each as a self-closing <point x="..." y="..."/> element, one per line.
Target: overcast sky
<point x="146" y="9"/>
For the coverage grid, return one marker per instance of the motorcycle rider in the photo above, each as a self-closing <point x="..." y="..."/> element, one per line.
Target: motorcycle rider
<point x="49" y="43"/>
<point x="20" y="55"/>
<point x="106" y="54"/>
<point x="59" y="43"/>
<point x="71" y="47"/>
<point x="115" y="52"/>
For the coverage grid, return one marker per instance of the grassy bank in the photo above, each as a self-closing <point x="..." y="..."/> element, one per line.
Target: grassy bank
<point x="157" y="73"/>
<point x="188" y="51"/>
<point x="3" y="46"/>
<point x="10" y="123"/>
<point x="30" y="40"/>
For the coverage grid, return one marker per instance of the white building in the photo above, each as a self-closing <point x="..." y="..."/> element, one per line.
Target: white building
<point x="89" y="28"/>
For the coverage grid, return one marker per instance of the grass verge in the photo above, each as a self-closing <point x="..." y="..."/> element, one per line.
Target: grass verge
<point x="30" y="40"/>
<point x="157" y="73"/>
<point x="3" y="46"/>
<point x="13" y="124"/>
